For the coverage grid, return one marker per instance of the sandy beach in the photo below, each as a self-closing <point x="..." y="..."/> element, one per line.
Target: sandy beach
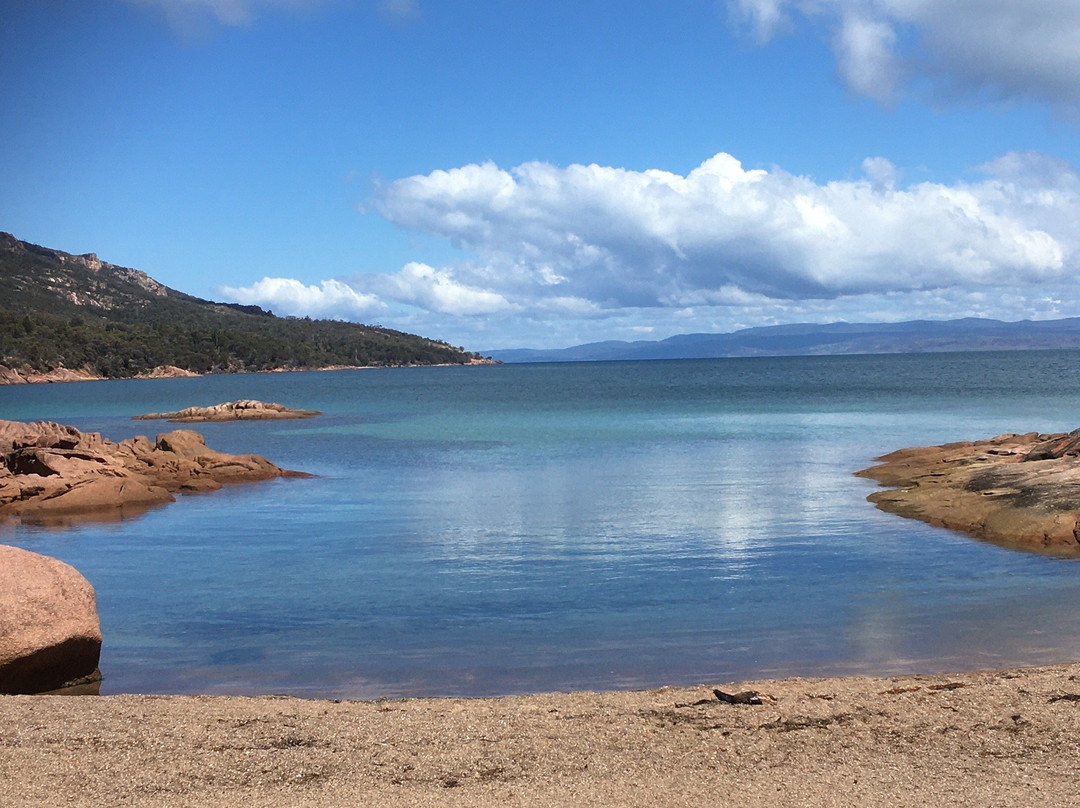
<point x="1002" y="738"/>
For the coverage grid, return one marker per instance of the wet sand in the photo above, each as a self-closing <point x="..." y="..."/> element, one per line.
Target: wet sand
<point x="1002" y="738"/>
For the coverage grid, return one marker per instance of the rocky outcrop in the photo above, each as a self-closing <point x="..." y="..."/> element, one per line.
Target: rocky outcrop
<point x="50" y="634"/>
<point x="27" y="375"/>
<point x="1020" y="491"/>
<point x="167" y="372"/>
<point x="48" y="469"/>
<point x="243" y="410"/>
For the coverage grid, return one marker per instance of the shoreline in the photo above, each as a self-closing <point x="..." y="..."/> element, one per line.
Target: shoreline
<point x="61" y="375"/>
<point x="1003" y="738"/>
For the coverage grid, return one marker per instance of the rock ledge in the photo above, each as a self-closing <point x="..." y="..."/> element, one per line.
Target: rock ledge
<point x="1020" y="491"/>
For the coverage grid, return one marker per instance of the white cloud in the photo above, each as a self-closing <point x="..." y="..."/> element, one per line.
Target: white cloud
<point x="764" y="16"/>
<point x="866" y="56"/>
<point x="435" y="290"/>
<point x="288" y="296"/>
<point x="182" y="13"/>
<point x="881" y="172"/>
<point x="1009" y="49"/>
<point x="399" y="10"/>
<point x="653" y="238"/>
<point x="579" y="253"/>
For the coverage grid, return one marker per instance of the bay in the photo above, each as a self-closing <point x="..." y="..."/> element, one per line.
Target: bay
<point x="501" y="529"/>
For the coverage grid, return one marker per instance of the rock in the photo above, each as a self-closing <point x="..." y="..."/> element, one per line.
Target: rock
<point x="11" y="376"/>
<point x="243" y="410"/>
<point x="743" y="697"/>
<point x="1056" y="447"/>
<point x="1020" y="491"/>
<point x="27" y="375"/>
<point x="167" y="372"/>
<point x="50" y="634"/>
<point x="121" y="493"/>
<point x="222" y="467"/>
<point x="183" y="442"/>
<point x="50" y="469"/>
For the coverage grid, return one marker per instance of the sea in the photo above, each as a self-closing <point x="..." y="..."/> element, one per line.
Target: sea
<point x="489" y="530"/>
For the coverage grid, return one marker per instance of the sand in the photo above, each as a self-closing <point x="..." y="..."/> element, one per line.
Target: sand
<point x="1004" y="738"/>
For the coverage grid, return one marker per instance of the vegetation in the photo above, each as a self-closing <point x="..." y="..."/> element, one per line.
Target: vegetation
<point x="75" y="311"/>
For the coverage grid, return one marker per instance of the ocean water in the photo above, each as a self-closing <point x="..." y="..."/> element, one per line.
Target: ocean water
<point x="493" y="530"/>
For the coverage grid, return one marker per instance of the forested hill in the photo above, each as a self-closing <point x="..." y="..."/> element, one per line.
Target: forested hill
<point x="75" y="311"/>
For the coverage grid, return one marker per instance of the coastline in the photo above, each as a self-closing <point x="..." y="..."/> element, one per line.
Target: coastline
<point x="14" y="376"/>
<point x="1003" y="738"/>
<point x="986" y="738"/>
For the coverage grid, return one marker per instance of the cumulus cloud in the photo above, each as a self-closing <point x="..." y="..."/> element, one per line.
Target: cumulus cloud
<point x="589" y="244"/>
<point x="881" y="172"/>
<point x="653" y="238"/>
<point x="331" y="298"/>
<point x="1007" y="49"/>
<point x="435" y="290"/>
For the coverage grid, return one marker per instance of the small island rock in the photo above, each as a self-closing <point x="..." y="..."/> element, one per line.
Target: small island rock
<point x="242" y="410"/>
<point x="50" y="633"/>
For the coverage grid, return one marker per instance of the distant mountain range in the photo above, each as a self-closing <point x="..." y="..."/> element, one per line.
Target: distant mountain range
<point x="808" y="339"/>
<point x="76" y="312"/>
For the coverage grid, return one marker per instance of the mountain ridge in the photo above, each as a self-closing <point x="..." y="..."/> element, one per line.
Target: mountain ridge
<point x="823" y="339"/>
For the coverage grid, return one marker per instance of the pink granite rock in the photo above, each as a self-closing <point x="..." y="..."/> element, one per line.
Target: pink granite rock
<point x="242" y="410"/>
<point x="1020" y="491"/>
<point x="47" y="469"/>
<point x="50" y="634"/>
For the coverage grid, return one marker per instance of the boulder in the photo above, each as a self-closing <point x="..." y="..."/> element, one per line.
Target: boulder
<point x="183" y="442"/>
<point x="50" y="634"/>
<point x="125" y="493"/>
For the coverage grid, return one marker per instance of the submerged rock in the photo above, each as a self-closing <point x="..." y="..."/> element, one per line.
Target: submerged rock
<point x="48" y="469"/>
<point x="50" y="634"/>
<point x="243" y="410"/>
<point x="1021" y="491"/>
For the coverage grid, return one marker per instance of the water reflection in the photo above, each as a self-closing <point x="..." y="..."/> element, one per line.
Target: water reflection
<point x="565" y="527"/>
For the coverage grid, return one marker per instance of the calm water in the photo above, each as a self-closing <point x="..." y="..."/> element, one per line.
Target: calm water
<point x="502" y="529"/>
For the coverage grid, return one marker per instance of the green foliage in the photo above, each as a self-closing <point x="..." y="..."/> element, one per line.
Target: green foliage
<point x="57" y="309"/>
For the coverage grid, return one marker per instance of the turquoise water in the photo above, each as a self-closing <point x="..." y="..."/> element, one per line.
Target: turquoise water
<point x="492" y="530"/>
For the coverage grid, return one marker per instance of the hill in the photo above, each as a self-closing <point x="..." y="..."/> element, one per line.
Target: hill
<point x="807" y="339"/>
<point x="78" y="312"/>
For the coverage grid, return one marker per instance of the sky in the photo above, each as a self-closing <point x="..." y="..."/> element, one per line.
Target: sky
<point x="503" y="174"/>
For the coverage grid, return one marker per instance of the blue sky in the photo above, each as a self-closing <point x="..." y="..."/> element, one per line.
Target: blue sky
<point x="505" y="174"/>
